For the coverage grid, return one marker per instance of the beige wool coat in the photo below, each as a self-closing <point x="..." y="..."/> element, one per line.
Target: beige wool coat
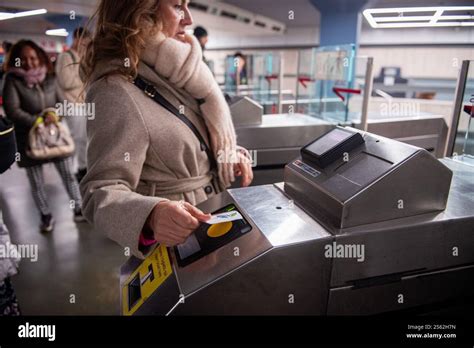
<point x="67" y="76"/>
<point x="140" y="154"/>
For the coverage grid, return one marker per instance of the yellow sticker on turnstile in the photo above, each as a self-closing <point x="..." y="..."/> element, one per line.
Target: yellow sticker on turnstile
<point x="144" y="281"/>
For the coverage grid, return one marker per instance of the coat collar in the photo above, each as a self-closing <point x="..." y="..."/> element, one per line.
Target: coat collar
<point x="160" y="82"/>
<point x="104" y="68"/>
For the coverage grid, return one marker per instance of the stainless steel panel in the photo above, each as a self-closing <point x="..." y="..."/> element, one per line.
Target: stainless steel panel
<point x="428" y="142"/>
<point x="416" y="290"/>
<point x="421" y="242"/>
<point x="264" y="286"/>
<point x="410" y="128"/>
<point x="266" y="176"/>
<point x="421" y="184"/>
<point x="458" y="245"/>
<point x="281" y="131"/>
<point x="163" y="300"/>
<point x="276" y="216"/>
<point x="224" y="260"/>
<point x="246" y="112"/>
<point x="461" y="196"/>
<point x="276" y="156"/>
<point x="460" y="204"/>
<point x="390" y="251"/>
<point x="405" y="248"/>
<point x="456" y="138"/>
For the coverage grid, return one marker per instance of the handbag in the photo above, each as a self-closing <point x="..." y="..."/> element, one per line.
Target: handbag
<point x="7" y="144"/>
<point x="49" y="141"/>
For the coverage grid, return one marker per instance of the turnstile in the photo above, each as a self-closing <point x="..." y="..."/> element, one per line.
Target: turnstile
<point x="274" y="140"/>
<point x="357" y="228"/>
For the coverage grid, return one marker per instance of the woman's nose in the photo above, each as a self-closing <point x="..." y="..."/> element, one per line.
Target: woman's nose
<point x="26" y="64"/>
<point x="187" y="18"/>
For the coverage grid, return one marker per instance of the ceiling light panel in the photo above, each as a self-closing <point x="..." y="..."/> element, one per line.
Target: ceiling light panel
<point x="417" y="17"/>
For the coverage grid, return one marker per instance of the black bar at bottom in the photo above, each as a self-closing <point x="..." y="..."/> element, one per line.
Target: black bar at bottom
<point x="258" y="330"/>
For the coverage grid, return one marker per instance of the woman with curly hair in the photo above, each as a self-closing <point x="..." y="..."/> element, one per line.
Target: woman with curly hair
<point x="147" y="167"/>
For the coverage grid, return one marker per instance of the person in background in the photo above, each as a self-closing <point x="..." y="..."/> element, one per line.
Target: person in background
<point x="241" y="69"/>
<point x="6" y="46"/>
<point x="30" y="88"/>
<point x="68" y="79"/>
<point x="203" y="37"/>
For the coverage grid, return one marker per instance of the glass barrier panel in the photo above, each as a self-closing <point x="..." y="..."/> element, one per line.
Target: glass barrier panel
<point x="464" y="138"/>
<point x="326" y="82"/>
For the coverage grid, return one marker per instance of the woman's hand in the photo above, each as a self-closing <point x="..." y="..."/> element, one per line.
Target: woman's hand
<point x="172" y="222"/>
<point x="244" y="168"/>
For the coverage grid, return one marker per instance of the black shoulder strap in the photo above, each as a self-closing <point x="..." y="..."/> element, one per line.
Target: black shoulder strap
<point x="152" y="92"/>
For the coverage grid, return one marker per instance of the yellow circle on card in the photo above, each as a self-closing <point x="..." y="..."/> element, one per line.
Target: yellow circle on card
<point x="219" y="230"/>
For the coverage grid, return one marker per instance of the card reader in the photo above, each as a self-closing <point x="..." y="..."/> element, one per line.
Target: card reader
<point x="330" y="147"/>
<point x="207" y="238"/>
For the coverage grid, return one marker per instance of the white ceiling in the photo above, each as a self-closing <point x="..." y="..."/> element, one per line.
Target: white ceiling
<point x="81" y="7"/>
<point x="38" y="24"/>
<point x="418" y="3"/>
<point x="305" y="14"/>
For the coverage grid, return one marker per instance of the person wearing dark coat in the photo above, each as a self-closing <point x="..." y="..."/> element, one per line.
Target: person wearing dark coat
<point x="30" y="88"/>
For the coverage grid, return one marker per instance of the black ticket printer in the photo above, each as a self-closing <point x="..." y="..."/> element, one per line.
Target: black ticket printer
<point x="348" y="178"/>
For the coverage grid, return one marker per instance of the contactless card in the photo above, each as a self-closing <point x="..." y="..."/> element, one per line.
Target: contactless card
<point x="224" y="217"/>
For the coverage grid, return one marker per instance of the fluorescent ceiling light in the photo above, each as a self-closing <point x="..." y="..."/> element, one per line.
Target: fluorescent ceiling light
<point x="402" y="17"/>
<point x="420" y="18"/>
<point x="57" y="32"/>
<point x="9" y="15"/>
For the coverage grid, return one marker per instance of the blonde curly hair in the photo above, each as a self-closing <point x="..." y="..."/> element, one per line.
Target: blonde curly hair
<point x="121" y="30"/>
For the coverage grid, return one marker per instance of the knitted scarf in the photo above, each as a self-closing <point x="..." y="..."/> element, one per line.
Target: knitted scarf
<point x="32" y="76"/>
<point x="181" y="64"/>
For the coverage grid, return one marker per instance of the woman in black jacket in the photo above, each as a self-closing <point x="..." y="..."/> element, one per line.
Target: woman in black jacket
<point x="30" y="87"/>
